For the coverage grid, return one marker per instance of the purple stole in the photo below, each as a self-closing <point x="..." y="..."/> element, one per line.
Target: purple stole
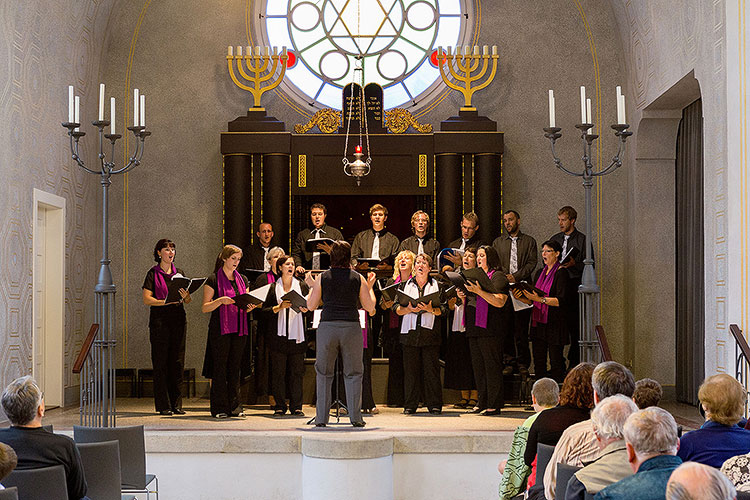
<point x="160" y="282"/>
<point x="230" y="313"/>
<point x="544" y="283"/>
<point x="483" y="307"/>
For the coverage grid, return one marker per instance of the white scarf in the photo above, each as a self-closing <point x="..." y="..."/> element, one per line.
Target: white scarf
<point x="409" y="321"/>
<point x="458" y="319"/>
<point x="296" y="325"/>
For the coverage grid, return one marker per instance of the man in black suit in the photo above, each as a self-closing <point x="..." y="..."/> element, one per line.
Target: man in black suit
<point x="573" y="243"/>
<point x="318" y="259"/>
<point x="376" y="243"/>
<point x="256" y="255"/>
<point x="518" y="259"/>
<point x="419" y="242"/>
<point x="469" y="237"/>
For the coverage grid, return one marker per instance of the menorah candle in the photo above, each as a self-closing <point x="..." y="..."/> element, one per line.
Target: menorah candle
<point x="70" y="104"/>
<point x="588" y="111"/>
<point x="486" y="50"/>
<point x="112" y="115"/>
<point x="275" y="51"/>
<point x="622" y="105"/>
<point x="449" y="51"/>
<point x="230" y="51"/>
<point x="257" y="51"/>
<point x="583" y="104"/>
<point x="551" y="108"/>
<point x="268" y="50"/>
<point x="239" y="51"/>
<point x="77" y="114"/>
<point x="494" y="50"/>
<point x="135" y="107"/>
<point x="467" y="50"/>
<point x="101" y="102"/>
<point x="440" y="51"/>
<point x="283" y="51"/>
<point x="476" y="50"/>
<point x="142" y="110"/>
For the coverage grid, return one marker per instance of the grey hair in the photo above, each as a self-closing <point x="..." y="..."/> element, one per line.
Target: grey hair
<point x="706" y="483"/>
<point x="651" y="431"/>
<point x="610" y="378"/>
<point x="273" y="253"/>
<point x="21" y="399"/>
<point x="546" y="391"/>
<point x="610" y="414"/>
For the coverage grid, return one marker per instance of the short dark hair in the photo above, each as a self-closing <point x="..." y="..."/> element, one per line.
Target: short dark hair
<point x="648" y="392"/>
<point x="162" y="243"/>
<point x="341" y="254"/>
<point x="280" y="261"/>
<point x="569" y="211"/>
<point x="610" y="378"/>
<point x="319" y="205"/>
<point x="8" y="460"/>
<point x="493" y="260"/>
<point x="512" y="212"/>
<point x="554" y="245"/>
<point x="425" y="257"/>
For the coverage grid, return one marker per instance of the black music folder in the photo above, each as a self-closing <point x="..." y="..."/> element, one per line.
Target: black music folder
<point x="389" y="292"/>
<point x="179" y="281"/>
<point x="523" y="285"/>
<point x="297" y="300"/>
<point x="255" y="297"/>
<point x="405" y="299"/>
<point x="311" y="245"/>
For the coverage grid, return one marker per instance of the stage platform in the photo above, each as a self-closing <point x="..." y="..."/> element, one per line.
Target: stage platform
<point x="396" y="456"/>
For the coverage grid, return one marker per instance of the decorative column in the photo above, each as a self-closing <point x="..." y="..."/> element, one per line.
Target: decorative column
<point x="487" y="194"/>
<point x="277" y="199"/>
<point x="238" y="200"/>
<point x="448" y="196"/>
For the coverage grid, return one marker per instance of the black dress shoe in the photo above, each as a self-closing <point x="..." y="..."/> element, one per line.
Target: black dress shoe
<point x="165" y="412"/>
<point x="476" y="409"/>
<point x="491" y="413"/>
<point x="359" y="423"/>
<point x="178" y="411"/>
<point x="320" y="424"/>
<point x="298" y="413"/>
<point x="408" y="411"/>
<point x="278" y="413"/>
<point x="436" y="411"/>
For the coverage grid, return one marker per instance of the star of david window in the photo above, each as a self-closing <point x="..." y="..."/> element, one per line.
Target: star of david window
<point x="396" y="40"/>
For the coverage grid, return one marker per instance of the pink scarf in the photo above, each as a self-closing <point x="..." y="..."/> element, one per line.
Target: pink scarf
<point x="483" y="308"/>
<point x="544" y="283"/>
<point x="228" y="314"/>
<point x="160" y="282"/>
<point x="365" y="330"/>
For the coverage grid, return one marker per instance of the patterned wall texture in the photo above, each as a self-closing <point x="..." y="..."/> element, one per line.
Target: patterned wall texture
<point x="44" y="46"/>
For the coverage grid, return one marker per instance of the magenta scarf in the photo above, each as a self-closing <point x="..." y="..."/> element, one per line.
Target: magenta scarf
<point x="483" y="308"/>
<point x="544" y="283"/>
<point x="393" y="318"/>
<point x="160" y="282"/>
<point x="365" y="330"/>
<point x="270" y="277"/>
<point x="228" y="314"/>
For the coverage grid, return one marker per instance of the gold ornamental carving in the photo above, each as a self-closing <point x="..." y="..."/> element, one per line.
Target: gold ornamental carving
<point x="327" y="120"/>
<point x="302" y="171"/>
<point x="422" y="171"/>
<point x="398" y="121"/>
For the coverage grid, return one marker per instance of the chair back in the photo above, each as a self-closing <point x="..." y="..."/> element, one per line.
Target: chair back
<point x="564" y="473"/>
<point x="132" y="450"/>
<point x="39" y="484"/>
<point x="101" y="464"/>
<point x="9" y="494"/>
<point x="743" y="495"/>
<point x="543" y="455"/>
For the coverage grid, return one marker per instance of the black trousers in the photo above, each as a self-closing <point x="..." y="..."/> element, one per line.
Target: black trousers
<point x="422" y="375"/>
<point x="395" y="396"/>
<point x="167" y="335"/>
<point x="556" y="360"/>
<point x="226" y="352"/>
<point x="487" y="362"/>
<point x="287" y="368"/>
<point x="516" y="347"/>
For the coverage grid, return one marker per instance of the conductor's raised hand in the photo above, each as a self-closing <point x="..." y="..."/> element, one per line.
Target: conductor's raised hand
<point x="309" y="280"/>
<point x="371" y="279"/>
<point x="325" y="247"/>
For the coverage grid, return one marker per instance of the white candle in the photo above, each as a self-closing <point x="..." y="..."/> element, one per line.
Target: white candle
<point x="239" y="51"/>
<point x="467" y="50"/>
<point x="283" y="51"/>
<point x="494" y="50"/>
<point x="449" y="51"/>
<point x="112" y="115"/>
<point x="618" y="93"/>
<point x="257" y="50"/>
<point x="101" y="102"/>
<point x="248" y="51"/>
<point x="551" y="97"/>
<point x="486" y="50"/>
<point x="70" y="104"/>
<point x="622" y="99"/>
<point x="135" y="107"/>
<point x="142" y="110"/>
<point x="583" y="104"/>
<point x="275" y="50"/>
<point x="588" y="111"/>
<point x="440" y="51"/>
<point x="77" y="116"/>
<point x="230" y="51"/>
<point x="268" y="51"/>
<point x="476" y="50"/>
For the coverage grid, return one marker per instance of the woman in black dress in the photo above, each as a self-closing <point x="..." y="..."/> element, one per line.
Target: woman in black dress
<point x="286" y="339"/>
<point x="420" y="340"/>
<point x="227" y="332"/>
<point x="484" y="330"/>
<point x="549" y="332"/>
<point x="167" y="327"/>
<point x="403" y="269"/>
<point x="459" y="375"/>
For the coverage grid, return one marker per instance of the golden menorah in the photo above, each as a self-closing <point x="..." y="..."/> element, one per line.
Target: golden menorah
<point x="254" y="67"/>
<point x="462" y="67"/>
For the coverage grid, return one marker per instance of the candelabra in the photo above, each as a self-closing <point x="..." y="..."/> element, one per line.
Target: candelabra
<point x="462" y="65"/>
<point x="257" y="64"/>
<point x="98" y="394"/>
<point x="589" y="289"/>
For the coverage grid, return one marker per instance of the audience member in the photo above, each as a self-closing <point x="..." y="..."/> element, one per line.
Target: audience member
<point x="719" y="438"/>
<point x="545" y="394"/>
<point x="608" y="420"/>
<point x="23" y="404"/>
<point x="737" y="469"/>
<point x="694" y="481"/>
<point x="8" y="462"/>
<point x="648" y="392"/>
<point x="578" y="444"/>
<point x="652" y="443"/>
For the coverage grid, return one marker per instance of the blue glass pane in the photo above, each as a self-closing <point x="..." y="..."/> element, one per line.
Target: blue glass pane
<point x="278" y="33"/>
<point x="394" y="96"/>
<point x="449" y="6"/>
<point x="425" y="76"/>
<point x="413" y="54"/>
<point x="330" y="96"/>
<point x="305" y="39"/>
<point x="449" y="28"/>
<point x="304" y="79"/>
<point x="277" y="7"/>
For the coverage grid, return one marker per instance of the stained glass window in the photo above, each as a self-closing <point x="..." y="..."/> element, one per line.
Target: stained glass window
<point x="395" y="39"/>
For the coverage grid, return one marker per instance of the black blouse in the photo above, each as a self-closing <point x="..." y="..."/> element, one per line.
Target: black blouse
<point x="549" y="427"/>
<point x="495" y="315"/>
<point x="555" y="331"/>
<point x="421" y="336"/>
<point x="214" y="325"/>
<point x="170" y="310"/>
<point x="276" y="342"/>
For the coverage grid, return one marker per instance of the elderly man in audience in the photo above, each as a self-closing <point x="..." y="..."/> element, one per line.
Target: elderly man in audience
<point x="652" y="443"/>
<point x="694" y="481"/>
<point x="23" y="404"/>
<point x="608" y="420"/>
<point x="648" y="392"/>
<point x="578" y="444"/>
<point x="545" y="394"/>
<point x="8" y="461"/>
<point x="719" y="438"/>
